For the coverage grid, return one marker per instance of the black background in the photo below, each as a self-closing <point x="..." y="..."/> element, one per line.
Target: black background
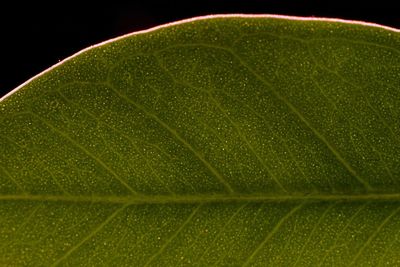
<point x="35" y="37"/>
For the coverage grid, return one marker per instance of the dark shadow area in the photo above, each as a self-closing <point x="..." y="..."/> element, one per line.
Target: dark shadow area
<point x="34" y="38"/>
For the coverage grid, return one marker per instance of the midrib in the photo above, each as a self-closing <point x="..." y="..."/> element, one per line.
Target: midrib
<point x="188" y="199"/>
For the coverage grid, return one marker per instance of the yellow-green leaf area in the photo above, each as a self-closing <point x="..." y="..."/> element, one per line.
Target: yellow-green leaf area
<point x="219" y="141"/>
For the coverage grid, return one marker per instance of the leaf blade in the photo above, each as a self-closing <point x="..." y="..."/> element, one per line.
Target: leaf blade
<point x="212" y="142"/>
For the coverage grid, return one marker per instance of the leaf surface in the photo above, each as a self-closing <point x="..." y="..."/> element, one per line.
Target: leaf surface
<point x="244" y="141"/>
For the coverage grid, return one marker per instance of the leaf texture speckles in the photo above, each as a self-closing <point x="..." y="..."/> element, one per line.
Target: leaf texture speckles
<point x="220" y="141"/>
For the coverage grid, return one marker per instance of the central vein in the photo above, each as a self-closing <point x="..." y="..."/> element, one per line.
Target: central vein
<point x="187" y="199"/>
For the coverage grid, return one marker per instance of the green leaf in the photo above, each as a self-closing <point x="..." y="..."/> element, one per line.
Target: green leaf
<point x="252" y="141"/>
